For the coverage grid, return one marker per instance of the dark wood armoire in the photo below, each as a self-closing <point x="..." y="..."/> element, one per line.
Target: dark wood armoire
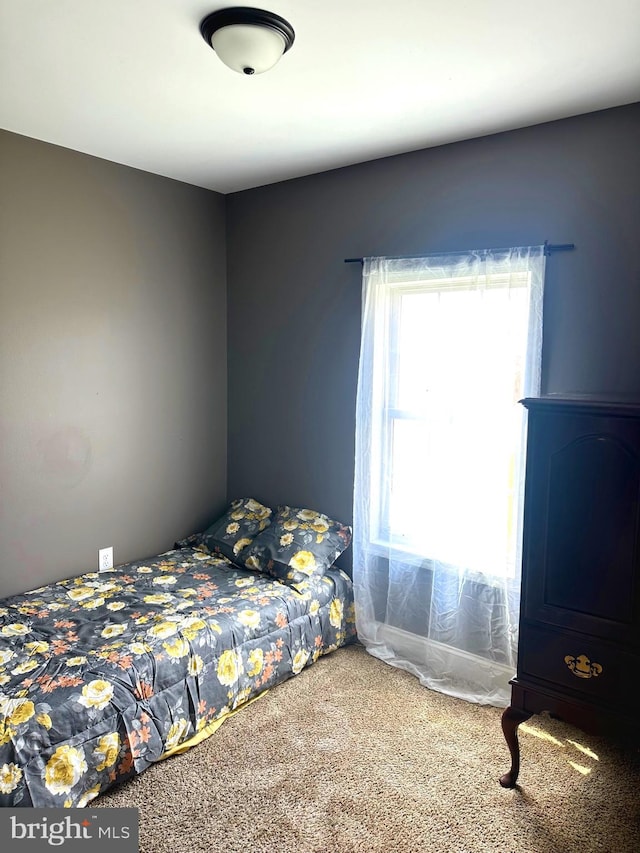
<point x="579" y="636"/>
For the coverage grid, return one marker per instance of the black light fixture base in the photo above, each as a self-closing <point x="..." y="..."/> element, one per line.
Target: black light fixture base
<point x="246" y="15"/>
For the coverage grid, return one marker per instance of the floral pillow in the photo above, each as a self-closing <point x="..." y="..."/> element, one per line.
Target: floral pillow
<point x="235" y="530"/>
<point x="300" y="544"/>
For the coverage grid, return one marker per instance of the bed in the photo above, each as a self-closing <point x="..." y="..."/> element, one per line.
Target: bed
<point x="104" y="674"/>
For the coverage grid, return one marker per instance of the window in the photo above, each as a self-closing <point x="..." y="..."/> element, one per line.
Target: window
<point x="447" y="434"/>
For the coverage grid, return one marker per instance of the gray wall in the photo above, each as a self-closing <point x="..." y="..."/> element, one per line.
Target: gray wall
<point x="113" y="383"/>
<point x="112" y="361"/>
<point x="294" y="306"/>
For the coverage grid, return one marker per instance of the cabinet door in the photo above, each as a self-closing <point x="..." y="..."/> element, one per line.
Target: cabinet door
<point x="581" y="549"/>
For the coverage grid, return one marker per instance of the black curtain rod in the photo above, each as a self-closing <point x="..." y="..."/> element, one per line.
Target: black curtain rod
<point x="548" y="248"/>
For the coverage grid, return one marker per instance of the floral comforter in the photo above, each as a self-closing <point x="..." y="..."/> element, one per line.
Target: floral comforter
<point x="104" y="674"/>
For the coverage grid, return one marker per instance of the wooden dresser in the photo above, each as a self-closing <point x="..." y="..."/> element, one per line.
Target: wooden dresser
<point x="579" y="639"/>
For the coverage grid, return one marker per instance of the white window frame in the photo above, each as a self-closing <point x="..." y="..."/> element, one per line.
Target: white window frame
<point x="381" y="539"/>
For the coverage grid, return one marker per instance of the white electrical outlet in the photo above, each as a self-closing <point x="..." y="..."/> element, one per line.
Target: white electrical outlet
<point x="105" y="559"/>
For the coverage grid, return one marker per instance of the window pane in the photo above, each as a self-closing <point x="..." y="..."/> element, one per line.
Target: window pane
<point x="452" y="494"/>
<point x="460" y="342"/>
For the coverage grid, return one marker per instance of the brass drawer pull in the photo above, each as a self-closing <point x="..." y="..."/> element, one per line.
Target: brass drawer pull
<point x="582" y="666"/>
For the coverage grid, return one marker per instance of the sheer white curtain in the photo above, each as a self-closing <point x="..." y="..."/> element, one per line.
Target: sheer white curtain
<point x="449" y="345"/>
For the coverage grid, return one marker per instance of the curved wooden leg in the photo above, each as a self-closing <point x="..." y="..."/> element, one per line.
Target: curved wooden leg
<point x="511" y="719"/>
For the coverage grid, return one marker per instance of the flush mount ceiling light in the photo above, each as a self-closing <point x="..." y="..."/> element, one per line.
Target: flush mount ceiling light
<point x="248" y="40"/>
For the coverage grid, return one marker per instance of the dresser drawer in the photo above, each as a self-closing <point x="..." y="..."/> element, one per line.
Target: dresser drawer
<point x="592" y="667"/>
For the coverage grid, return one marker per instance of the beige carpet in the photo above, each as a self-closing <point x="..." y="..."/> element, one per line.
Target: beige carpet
<point x="353" y="756"/>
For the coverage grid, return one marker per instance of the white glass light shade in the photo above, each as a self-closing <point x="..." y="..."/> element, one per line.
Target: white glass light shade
<point x="248" y="48"/>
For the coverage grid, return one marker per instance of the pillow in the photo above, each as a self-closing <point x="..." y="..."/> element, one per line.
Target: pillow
<point x="234" y="531"/>
<point x="300" y="544"/>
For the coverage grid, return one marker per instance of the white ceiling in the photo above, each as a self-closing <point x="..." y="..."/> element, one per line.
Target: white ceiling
<point x="134" y="82"/>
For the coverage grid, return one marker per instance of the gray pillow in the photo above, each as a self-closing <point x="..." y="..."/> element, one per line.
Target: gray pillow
<point x="233" y="532"/>
<point x="298" y="545"/>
